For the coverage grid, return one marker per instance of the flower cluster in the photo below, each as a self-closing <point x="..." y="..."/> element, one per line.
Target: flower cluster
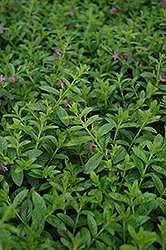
<point x="36" y="12"/>
<point x="3" y="167"/>
<point x="113" y="9"/>
<point x="2" y="28"/>
<point x="2" y="78"/>
<point x="161" y="3"/>
<point x="72" y="10"/>
<point x="126" y="55"/>
<point x="90" y="145"/>
<point x="14" y="79"/>
<point x="115" y="56"/>
<point x="56" y="52"/>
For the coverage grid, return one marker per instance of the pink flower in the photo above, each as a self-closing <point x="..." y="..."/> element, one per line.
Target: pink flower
<point x="65" y="102"/>
<point x="126" y="55"/>
<point x="162" y="79"/>
<point x="56" y="52"/>
<point x="133" y="27"/>
<point x="147" y="32"/>
<point x="68" y="25"/>
<point x="59" y="82"/>
<point x="32" y="19"/>
<point x="2" y="28"/>
<point x="3" y="168"/>
<point x="113" y="9"/>
<point x="36" y="12"/>
<point x="122" y="28"/>
<point x="161" y="3"/>
<point x="90" y="145"/>
<point x="2" y="94"/>
<point x="115" y="56"/>
<point x="5" y="9"/>
<point x="2" y="78"/>
<point x="72" y="8"/>
<point x="138" y="60"/>
<point x="14" y="79"/>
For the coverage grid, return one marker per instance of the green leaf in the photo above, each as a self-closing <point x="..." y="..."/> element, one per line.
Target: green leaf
<point x="55" y="222"/>
<point x="37" y="106"/>
<point x="74" y="203"/>
<point x="147" y="74"/>
<point x="26" y="210"/>
<point x="128" y="247"/>
<point x="12" y="69"/>
<point x="3" y="143"/>
<point x="158" y="183"/>
<point x="17" y="177"/>
<point x="50" y="90"/>
<point x="91" y="120"/>
<point x="39" y="203"/>
<point x="78" y="141"/>
<point x="119" y="155"/>
<point x="143" y="198"/>
<point x="92" y="225"/>
<point x="85" y="111"/>
<point x="93" y="163"/>
<point x="159" y="170"/>
<point x="120" y="197"/>
<point x="20" y="197"/>
<point x="162" y="204"/>
<point x="104" y="129"/>
<point x="66" y="219"/>
<point x="140" y="154"/>
<point x="63" y="115"/>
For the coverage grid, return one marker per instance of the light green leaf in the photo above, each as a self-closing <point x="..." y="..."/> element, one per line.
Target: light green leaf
<point x="92" y="225"/>
<point x="20" y="197"/>
<point x="63" y="115"/>
<point x="143" y="198"/>
<point x="158" y="183"/>
<point x="17" y="177"/>
<point x="104" y="129"/>
<point x="39" y="203"/>
<point x="93" y="163"/>
<point x="78" y="141"/>
<point x="50" y="90"/>
<point x="140" y="154"/>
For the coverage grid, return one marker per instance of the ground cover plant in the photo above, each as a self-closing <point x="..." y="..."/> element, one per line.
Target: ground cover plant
<point x="82" y="125"/>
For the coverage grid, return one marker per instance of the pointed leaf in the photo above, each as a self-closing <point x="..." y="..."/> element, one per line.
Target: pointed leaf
<point x="92" y="225"/>
<point x="93" y="162"/>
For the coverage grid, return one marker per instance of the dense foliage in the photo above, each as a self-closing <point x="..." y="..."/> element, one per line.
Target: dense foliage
<point x="82" y="125"/>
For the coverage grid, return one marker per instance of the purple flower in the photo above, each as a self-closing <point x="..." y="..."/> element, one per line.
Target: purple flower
<point x="5" y="9"/>
<point x="13" y="80"/>
<point x="2" y="78"/>
<point x="3" y="167"/>
<point x="138" y="60"/>
<point x="2" y="94"/>
<point x="133" y="27"/>
<point x="72" y="8"/>
<point x="126" y="55"/>
<point x="36" y="12"/>
<point x="32" y="19"/>
<point x="59" y="82"/>
<point x="90" y="145"/>
<point x="162" y="79"/>
<point x="115" y="56"/>
<point x="68" y="25"/>
<point x="2" y="28"/>
<point x="161" y="3"/>
<point x="113" y="9"/>
<point x="56" y="52"/>
<point x="122" y="28"/>
<point x="147" y="32"/>
<point x="65" y="102"/>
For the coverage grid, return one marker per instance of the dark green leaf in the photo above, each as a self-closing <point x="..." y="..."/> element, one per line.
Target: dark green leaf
<point x="93" y="163"/>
